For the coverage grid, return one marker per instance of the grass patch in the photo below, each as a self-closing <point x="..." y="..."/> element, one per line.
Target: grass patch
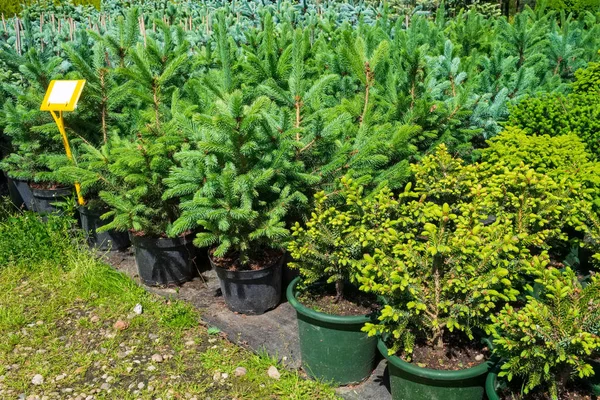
<point x="58" y="309"/>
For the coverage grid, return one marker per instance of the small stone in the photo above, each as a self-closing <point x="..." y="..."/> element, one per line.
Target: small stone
<point x="152" y="336"/>
<point x="273" y="373"/>
<point x="141" y="385"/>
<point x="150" y="388"/>
<point x="157" y="358"/>
<point x="189" y="343"/>
<point x="60" y="377"/>
<point x="479" y="357"/>
<point x="121" y="354"/>
<point x="105" y="386"/>
<point x="137" y="309"/>
<point x="212" y="340"/>
<point x="121" y="325"/>
<point x="37" y="379"/>
<point x="240" y="371"/>
<point x="151" y="368"/>
<point x="224" y="375"/>
<point x="217" y="376"/>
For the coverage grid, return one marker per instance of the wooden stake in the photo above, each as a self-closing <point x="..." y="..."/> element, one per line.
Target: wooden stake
<point x="4" y="23"/>
<point x="143" y="28"/>
<point x="18" y="36"/>
<point x="41" y="31"/>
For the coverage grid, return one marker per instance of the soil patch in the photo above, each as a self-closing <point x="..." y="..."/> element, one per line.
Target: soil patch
<point x="322" y="298"/>
<point x="260" y="259"/>
<point x="46" y="186"/>
<point x="459" y="352"/>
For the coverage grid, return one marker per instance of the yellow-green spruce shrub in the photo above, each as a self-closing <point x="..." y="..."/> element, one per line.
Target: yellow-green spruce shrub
<point x="551" y="340"/>
<point x="458" y="248"/>
<point x="335" y="238"/>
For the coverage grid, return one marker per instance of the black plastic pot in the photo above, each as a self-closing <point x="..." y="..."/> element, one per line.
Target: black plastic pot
<point x="44" y="199"/>
<point x="20" y="193"/>
<point x="251" y="292"/>
<point x="164" y="261"/>
<point x="109" y="240"/>
<point x="411" y="382"/>
<point x="333" y="347"/>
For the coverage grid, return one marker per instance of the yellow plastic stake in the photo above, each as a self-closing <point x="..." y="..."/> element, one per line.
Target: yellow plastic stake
<point x="63" y="96"/>
<point x="60" y="122"/>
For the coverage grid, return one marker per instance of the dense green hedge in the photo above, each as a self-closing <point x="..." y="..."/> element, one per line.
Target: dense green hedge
<point x="12" y="7"/>
<point x="558" y="114"/>
<point x="574" y="6"/>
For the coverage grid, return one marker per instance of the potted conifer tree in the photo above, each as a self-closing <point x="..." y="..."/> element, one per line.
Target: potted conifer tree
<point x="548" y="346"/>
<point x="36" y="146"/>
<point x="106" y="113"/>
<point x="331" y="310"/>
<point x="455" y="257"/>
<point x="37" y="153"/>
<point x="141" y="164"/>
<point x="238" y="179"/>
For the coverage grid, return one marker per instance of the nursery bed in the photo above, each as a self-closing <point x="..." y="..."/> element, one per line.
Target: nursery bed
<point x="274" y="332"/>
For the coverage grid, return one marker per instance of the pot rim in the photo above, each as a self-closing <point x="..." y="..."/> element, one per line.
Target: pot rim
<point x="277" y="262"/>
<point x="320" y="316"/>
<point x="179" y="240"/>
<point x="62" y="190"/>
<point x="491" y="382"/>
<point x="434" y="374"/>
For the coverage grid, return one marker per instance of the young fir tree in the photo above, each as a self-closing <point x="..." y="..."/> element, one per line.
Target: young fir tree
<point x="238" y="179"/>
<point x="143" y="163"/>
<point x="553" y="339"/>
<point x="106" y="113"/>
<point x="36" y="143"/>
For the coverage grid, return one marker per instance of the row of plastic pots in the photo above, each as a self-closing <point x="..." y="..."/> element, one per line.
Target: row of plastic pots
<point x="334" y="349"/>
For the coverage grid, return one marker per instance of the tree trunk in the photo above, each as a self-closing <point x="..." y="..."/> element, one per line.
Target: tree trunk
<point x="339" y="290"/>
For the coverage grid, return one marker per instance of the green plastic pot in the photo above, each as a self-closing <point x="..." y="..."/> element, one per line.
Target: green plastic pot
<point x="491" y="384"/>
<point x="333" y="348"/>
<point x="411" y="382"/>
